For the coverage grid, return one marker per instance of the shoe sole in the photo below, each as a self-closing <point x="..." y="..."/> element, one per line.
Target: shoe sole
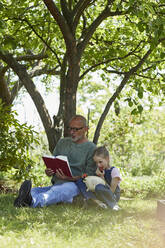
<point x="23" y="192"/>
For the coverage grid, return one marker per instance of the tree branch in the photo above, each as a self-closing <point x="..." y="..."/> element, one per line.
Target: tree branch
<point x="65" y="30"/>
<point x="103" y="15"/>
<point x="67" y="14"/>
<point x="40" y="37"/>
<point x="29" y="85"/>
<point x="116" y="94"/>
<point x="111" y="60"/>
<point x="31" y="57"/>
<point x="78" y="11"/>
<point x="142" y="76"/>
<point x="37" y="71"/>
<point x="14" y="92"/>
<point x="79" y="6"/>
<point x="5" y="94"/>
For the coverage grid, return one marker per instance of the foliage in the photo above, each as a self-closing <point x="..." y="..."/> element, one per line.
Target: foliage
<point x="144" y="187"/>
<point x="15" y="144"/>
<point x="64" y="38"/>
<point x="70" y="225"/>
<point x="136" y="142"/>
<point x="37" y="172"/>
<point x="148" y="144"/>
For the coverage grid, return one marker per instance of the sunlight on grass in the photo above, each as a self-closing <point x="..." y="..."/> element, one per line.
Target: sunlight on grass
<point x="67" y="226"/>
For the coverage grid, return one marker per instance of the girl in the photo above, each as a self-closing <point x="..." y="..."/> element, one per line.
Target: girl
<point x="109" y="193"/>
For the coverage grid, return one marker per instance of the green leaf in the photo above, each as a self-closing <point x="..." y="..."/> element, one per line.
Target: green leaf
<point x="130" y="103"/>
<point x="140" y="108"/>
<point x="140" y="26"/>
<point x="134" y="112"/>
<point x="162" y="55"/>
<point x="10" y="42"/>
<point x="140" y="93"/>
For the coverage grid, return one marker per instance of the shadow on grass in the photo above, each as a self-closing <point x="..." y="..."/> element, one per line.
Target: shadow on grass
<point x="71" y="217"/>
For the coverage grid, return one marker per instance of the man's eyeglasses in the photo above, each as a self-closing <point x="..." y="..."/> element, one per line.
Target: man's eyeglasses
<point x="75" y="129"/>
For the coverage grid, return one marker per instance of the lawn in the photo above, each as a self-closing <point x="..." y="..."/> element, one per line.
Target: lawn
<point x="72" y="225"/>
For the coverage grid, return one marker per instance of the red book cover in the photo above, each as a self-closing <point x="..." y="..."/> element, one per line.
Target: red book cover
<point x="59" y="162"/>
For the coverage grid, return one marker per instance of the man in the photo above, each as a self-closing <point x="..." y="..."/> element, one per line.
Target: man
<point x="79" y="152"/>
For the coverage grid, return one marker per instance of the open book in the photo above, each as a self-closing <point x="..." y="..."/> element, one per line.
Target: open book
<point x="58" y="162"/>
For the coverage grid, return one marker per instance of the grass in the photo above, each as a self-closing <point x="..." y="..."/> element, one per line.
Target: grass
<point x="71" y="225"/>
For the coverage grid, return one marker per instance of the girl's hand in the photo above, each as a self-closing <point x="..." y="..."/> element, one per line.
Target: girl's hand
<point x="100" y="173"/>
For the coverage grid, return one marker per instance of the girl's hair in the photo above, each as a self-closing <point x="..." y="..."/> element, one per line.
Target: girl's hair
<point x="101" y="151"/>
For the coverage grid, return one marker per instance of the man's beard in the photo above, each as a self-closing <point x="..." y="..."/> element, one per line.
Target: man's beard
<point x="77" y="138"/>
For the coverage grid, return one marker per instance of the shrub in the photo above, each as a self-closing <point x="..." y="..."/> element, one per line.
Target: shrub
<point x="16" y="141"/>
<point x="144" y="187"/>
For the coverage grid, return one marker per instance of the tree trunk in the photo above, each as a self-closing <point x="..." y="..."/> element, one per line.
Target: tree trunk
<point x="107" y="108"/>
<point x="68" y="91"/>
<point x="4" y="91"/>
<point x="21" y="72"/>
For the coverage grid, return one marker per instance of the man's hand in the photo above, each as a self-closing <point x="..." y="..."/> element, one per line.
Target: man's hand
<point x="49" y="172"/>
<point x="60" y="175"/>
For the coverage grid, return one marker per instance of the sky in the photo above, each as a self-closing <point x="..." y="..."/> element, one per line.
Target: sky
<point x="27" y="112"/>
<point x="26" y="109"/>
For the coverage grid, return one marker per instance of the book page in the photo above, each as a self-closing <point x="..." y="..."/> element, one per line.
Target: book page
<point x="62" y="157"/>
<point x="48" y="156"/>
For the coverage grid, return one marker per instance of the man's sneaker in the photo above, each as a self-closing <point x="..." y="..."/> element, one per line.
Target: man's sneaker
<point x="24" y="197"/>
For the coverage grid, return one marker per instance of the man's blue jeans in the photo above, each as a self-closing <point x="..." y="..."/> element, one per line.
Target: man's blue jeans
<point x="45" y="196"/>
